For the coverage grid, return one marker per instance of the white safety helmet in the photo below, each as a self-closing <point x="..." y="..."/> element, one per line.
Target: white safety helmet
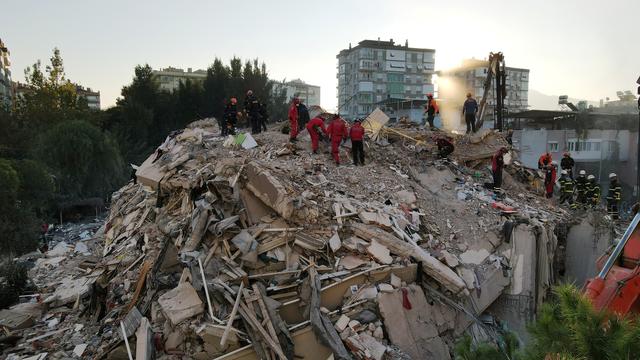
<point x="564" y="172"/>
<point x="591" y="177"/>
<point x="582" y="172"/>
<point x="554" y="163"/>
<point x="612" y="175"/>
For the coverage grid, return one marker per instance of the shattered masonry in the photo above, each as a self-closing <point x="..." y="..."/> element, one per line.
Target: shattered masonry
<point x="270" y="252"/>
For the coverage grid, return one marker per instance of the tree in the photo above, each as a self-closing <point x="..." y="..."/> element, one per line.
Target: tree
<point x="570" y="328"/>
<point x="17" y="224"/>
<point x="85" y="161"/>
<point x="216" y="89"/>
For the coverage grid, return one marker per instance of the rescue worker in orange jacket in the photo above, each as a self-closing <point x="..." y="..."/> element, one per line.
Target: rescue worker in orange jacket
<point x="337" y="131"/>
<point x="314" y="126"/>
<point x="544" y="160"/>
<point x="293" y="120"/>
<point x="431" y="109"/>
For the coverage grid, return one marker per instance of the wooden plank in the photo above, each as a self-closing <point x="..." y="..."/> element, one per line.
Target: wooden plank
<point x="232" y="316"/>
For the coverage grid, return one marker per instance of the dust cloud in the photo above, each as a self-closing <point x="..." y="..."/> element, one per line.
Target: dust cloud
<point x="451" y="95"/>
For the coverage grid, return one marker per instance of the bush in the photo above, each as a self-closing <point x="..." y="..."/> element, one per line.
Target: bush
<point x="13" y="281"/>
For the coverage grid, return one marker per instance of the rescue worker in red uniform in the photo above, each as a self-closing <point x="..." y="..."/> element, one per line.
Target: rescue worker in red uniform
<point x="356" y="133"/>
<point x="336" y="132"/>
<point x="314" y="126"/>
<point x="293" y="120"/>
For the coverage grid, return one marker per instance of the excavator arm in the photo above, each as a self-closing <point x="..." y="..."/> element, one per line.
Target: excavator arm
<point x="495" y="71"/>
<point x="617" y="286"/>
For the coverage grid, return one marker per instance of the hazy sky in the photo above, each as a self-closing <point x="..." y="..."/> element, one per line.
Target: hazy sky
<point x="582" y="48"/>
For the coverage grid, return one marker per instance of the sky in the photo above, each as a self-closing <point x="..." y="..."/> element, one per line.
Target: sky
<point x="582" y="48"/>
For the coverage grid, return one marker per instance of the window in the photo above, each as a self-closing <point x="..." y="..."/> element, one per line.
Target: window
<point x="553" y="146"/>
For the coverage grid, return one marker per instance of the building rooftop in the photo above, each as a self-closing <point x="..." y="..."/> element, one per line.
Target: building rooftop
<point x="381" y="44"/>
<point x="470" y="64"/>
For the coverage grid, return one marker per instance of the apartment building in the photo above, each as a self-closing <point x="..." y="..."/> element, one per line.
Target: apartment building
<point x="376" y="71"/>
<point x="170" y="78"/>
<point x="307" y="93"/>
<point x="471" y="76"/>
<point x="91" y="97"/>
<point x="5" y="75"/>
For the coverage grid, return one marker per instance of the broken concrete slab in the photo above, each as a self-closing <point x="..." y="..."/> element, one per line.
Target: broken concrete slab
<point x="351" y="262"/>
<point x="334" y="242"/>
<point x="269" y="189"/>
<point x="430" y="265"/>
<point x="406" y="197"/>
<point x="412" y="330"/>
<point x="379" y="252"/>
<point x="69" y="290"/>
<point x="14" y="320"/>
<point x="342" y="323"/>
<point x="254" y="207"/>
<point x="181" y="303"/>
<point x="474" y="257"/>
<point x="491" y="286"/>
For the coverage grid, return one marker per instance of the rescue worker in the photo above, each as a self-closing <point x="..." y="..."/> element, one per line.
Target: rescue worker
<point x="445" y="147"/>
<point x="544" y="160"/>
<point x="581" y="188"/>
<point x="356" y="133"/>
<point x="497" y="163"/>
<point x="264" y="116"/>
<point x="230" y="117"/>
<point x="614" y="196"/>
<point x="469" y="110"/>
<point x="550" y="178"/>
<point x="252" y="109"/>
<point x="567" y="163"/>
<point x="293" y="120"/>
<point x="593" y="191"/>
<point x="336" y="132"/>
<point x="315" y="128"/>
<point x="303" y="116"/>
<point x="566" y="188"/>
<point x="431" y="109"/>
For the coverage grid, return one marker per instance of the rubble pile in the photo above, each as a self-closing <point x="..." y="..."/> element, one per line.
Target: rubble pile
<point x="245" y="248"/>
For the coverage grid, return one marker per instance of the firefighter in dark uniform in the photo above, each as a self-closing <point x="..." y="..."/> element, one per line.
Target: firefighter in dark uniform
<point x="252" y="109"/>
<point x="567" y="163"/>
<point x="566" y="188"/>
<point x="614" y="196"/>
<point x="264" y="116"/>
<point x="230" y="117"/>
<point x="581" y="189"/>
<point x="593" y="191"/>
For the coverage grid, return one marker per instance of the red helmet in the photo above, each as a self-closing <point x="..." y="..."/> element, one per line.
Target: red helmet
<point x="429" y="95"/>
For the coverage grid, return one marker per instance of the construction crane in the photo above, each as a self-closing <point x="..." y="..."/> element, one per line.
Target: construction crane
<point x="617" y="286"/>
<point x="495" y="69"/>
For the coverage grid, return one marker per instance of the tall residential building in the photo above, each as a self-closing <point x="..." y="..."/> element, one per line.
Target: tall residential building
<point x="472" y="74"/>
<point x="375" y="72"/>
<point x="5" y="75"/>
<point x="92" y="97"/>
<point x="170" y="78"/>
<point x="309" y="94"/>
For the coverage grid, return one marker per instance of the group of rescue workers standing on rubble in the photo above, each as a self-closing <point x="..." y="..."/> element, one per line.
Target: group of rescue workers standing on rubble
<point x="582" y="191"/>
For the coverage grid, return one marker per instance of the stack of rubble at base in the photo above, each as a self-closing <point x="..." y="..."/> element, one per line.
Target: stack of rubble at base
<point x="272" y="252"/>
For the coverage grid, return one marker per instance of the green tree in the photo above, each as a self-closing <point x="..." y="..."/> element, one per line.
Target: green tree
<point x="85" y="161"/>
<point x="18" y="226"/>
<point x="36" y="185"/>
<point x="570" y="328"/>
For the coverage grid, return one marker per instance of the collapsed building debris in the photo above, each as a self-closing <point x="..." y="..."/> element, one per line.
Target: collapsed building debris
<point x="250" y="252"/>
